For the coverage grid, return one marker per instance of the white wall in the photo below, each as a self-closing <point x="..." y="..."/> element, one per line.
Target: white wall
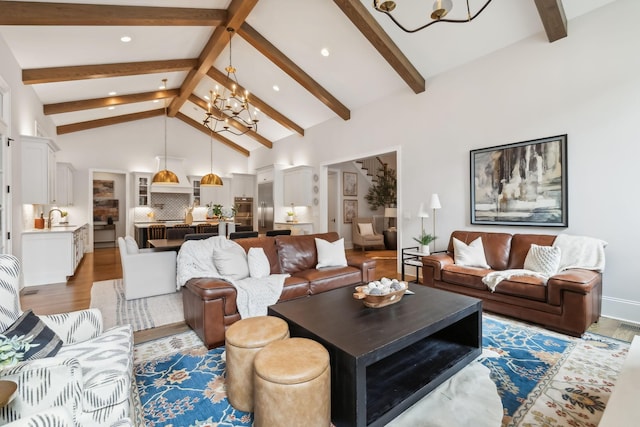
<point x="586" y="85"/>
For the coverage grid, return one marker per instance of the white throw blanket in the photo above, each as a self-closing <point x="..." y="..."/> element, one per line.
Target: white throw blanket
<point x="495" y="277"/>
<point x="195" y="259"/>
<point x="580" y="252"/>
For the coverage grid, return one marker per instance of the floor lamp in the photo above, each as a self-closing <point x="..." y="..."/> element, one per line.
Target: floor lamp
<point x="435" y="204"/>
<point x="422" y="213"/>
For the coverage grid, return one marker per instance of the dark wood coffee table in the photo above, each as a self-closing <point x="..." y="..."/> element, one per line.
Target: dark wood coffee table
<point x="383" y="360"/>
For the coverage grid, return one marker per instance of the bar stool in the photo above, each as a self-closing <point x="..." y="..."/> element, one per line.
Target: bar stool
<point x="292" y="377"/>
<point x="243" y="340"/>
<point x="156" y="231"/>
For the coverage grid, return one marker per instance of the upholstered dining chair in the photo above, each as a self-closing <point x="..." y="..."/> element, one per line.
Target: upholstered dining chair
<point x="278" y="232"/>
<point x="242" y="234"/>
<point x="90" y="375"/>
<point x="179" y="233"/>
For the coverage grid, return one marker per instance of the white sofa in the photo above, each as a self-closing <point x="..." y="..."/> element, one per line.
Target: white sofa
<point x="145" y="272"/>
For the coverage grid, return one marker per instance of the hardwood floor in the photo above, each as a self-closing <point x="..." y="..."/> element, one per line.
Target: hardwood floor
<point x="104" y="264"/>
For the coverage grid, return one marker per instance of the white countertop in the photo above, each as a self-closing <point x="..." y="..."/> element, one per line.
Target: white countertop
<point x="170" y="224"/>
<point x="293" y="223"/>
<point x="55" y="229"/>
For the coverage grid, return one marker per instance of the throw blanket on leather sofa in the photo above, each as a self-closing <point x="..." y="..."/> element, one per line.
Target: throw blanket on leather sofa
<point x="575" y="252"/>
<point x="254" y="295"/>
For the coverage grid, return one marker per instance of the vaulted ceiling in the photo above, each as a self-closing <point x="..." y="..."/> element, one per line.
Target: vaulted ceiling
<point x="72" y="55"/>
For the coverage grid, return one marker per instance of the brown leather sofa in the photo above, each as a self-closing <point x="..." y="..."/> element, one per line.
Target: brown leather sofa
<point x="569" y="303"/>
<point x="210" y="304"/>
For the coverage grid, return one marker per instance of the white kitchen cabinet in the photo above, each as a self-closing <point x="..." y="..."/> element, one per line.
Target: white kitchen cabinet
<point x="243" y="185"/>
<point x="51" y="255"/>
<point x="141" y="188"/>
<point x="298" y="186"/>
<point x="195" y="184"/>
<point x="64" y="184"/>
<point x="38" y="170"/>
<point x="220" y="195"/>
<point x="265" y="174"/>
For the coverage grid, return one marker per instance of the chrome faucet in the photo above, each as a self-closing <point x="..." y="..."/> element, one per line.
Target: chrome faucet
<point x="49" y="216"/>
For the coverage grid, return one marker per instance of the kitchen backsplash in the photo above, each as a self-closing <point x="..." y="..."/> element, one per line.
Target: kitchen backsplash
<point x="164" y="207"/>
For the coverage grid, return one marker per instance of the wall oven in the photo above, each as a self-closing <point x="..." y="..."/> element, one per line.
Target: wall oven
<point x="244" y="210"/>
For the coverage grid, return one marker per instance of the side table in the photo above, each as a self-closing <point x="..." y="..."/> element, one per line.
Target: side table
<point x="7" y="391"/>
<point x="413" y="258"/>
<point x="390" y="239"/>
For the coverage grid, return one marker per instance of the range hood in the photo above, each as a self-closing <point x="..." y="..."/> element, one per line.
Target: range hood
<point x="175" y="165"/>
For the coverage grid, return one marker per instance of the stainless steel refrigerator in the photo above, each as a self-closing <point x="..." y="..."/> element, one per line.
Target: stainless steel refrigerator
<point x="265" y="207"/>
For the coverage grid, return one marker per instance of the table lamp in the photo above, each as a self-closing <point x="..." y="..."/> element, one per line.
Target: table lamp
<point x="390" y="213"/>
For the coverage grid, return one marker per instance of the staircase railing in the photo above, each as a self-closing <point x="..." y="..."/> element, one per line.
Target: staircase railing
<point x="371" y="165"/>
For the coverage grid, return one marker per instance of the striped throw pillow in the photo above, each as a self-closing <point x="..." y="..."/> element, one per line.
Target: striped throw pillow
<point x="48" y="343"/>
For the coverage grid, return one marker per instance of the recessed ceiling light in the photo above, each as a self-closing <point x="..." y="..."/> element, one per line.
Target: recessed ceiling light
<point x="276" y="88"/>
<point x="156" y="100"/>
<point x="324" y="51"/>
<point x="125" y="39"/>
<point x="112" y="108"/>
<point x="112" y="93"/>
<point x="162" y="87"/>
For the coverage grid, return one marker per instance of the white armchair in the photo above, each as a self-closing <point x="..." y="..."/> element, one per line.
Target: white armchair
<point x="146" y="273"/>
<point x="90" y="375"/>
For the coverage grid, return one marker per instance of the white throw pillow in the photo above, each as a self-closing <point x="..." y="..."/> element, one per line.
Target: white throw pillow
<point x="230" y="259"/>
<point x="366" y="229"/>
<point x="471" y="255"/>
<point x="132" y="245"/>
<point x="331" y="254"/>
<point x="543" y="259"/>
<point x="258" y="263"/>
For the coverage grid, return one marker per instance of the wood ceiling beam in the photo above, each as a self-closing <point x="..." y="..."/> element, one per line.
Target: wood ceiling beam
<point x="264" y="108"/>
<point x="369" y="27"/>
<point x="272" y="53"/>
<point x="553" y="19"/>
<point x="40" y="13"/>
<point x="81" y="72"/>
<point x="88" y="104"/>
<point x="188" y="120"/>
<point x="92" y="124"/>
<point x="251" y="133"/>
<point x="237" y="12"/>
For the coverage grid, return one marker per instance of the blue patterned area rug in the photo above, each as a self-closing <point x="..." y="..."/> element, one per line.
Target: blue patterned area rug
<point x="543" y="378"/>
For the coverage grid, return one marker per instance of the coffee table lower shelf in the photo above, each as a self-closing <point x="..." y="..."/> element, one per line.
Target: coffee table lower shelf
<point x="405" y="377"/>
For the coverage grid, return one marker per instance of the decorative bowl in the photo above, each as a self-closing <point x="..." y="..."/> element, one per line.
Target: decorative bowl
<point x="377" y="301"/>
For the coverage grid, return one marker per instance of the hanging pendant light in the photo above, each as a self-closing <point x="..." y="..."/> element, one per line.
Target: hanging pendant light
<point x="165" y="176"/>
<point x="211" y="179"/>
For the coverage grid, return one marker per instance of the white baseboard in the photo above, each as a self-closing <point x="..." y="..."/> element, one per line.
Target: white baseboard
<point x="621" y="309"/>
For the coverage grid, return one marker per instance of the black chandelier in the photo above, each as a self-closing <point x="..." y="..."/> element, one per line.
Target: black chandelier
<point x="440" y="9"/>
<point x="228" y="109"/>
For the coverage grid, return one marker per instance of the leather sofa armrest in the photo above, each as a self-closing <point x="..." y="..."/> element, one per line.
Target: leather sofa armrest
<point x="209" y="289"/>
<point x="432" y="267"/>
<point x="574" y="280"/>
<point x="366" y="266"/>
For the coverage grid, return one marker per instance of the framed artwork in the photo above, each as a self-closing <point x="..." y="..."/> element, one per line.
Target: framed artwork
<point x="349" y="184"/>
<point x="523" y="183"/>
<point x="105" y="209"/>
<point x="102" y="189"/>
<point x="350" y="210"/>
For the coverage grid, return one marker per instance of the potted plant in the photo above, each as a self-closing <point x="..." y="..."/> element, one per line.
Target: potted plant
<point x="12" y="349"/>
<point x="382" y="192"/>
<point x="424" y="239"/>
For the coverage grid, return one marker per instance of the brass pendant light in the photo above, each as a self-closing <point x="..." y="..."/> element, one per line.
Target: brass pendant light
<point x="165" y="176"/>
<point x="211" y="179"/>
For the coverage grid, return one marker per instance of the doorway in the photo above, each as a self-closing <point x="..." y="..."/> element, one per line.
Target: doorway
<point x="332" y="197"/>
<point x="108" y="207"/>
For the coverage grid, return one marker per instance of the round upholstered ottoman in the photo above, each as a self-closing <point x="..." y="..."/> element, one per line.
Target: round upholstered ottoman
<point x="243" y="340"/>
<point x="292" y="385"/>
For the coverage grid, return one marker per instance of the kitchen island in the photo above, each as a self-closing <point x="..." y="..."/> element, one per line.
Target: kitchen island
<point x="50" y="255"/>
